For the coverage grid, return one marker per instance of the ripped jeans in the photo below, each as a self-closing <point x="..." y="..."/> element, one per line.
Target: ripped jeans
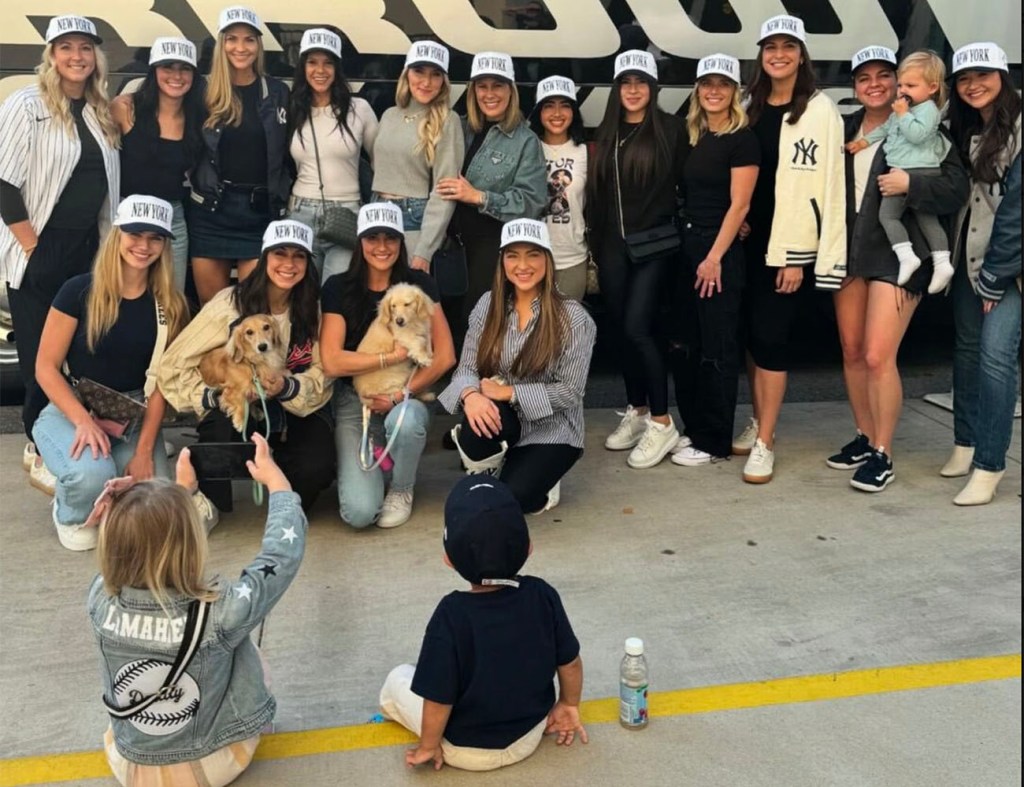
<point x="705" y="349"/>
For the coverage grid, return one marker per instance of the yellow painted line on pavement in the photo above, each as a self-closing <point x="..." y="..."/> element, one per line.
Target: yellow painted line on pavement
<point x="782" y="691"/>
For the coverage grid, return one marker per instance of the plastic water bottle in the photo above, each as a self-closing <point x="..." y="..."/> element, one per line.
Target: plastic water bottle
<point x="633" y="686"/>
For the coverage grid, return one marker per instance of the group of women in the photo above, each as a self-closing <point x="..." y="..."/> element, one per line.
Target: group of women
<point x="302" y="188"/>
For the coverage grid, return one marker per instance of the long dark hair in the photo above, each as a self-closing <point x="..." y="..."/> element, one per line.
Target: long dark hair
<point x="357" y="302"/>
<point x="760" y="88"/>
<point x="146" y="106"/>
<point x="301" y="101"/>
<point x="996" y="135"/>
<point x="577" y="133"/>
<point x="647" y="151"/>
<point x="251" y="297"/>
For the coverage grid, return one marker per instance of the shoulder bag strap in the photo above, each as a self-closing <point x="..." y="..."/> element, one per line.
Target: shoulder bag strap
<point x="319" y="174"/>
<point x="158" y="349"/>
<point x="618" y="186"/>
<point x="195" y="624"/>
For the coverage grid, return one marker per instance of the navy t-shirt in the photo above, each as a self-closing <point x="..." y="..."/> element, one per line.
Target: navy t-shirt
<point x="707" y="174"/>
<point x="122" y="355"/>
<point x="493" y="657"/>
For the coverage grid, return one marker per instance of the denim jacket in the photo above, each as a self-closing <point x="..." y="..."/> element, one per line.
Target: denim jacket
<point x="221" y="697"/>
<point x="510" y="170"/>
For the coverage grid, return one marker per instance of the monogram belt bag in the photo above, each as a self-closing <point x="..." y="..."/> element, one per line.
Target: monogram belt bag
<point x="113" y="411"/>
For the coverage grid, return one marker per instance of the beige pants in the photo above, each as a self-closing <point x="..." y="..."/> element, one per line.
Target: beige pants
<point x="572" y="281"/>
<point x="398" y="703"/>
<point x="214" y="770"/>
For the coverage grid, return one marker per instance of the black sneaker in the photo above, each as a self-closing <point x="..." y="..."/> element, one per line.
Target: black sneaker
<point x="875" y="474"/>
<point x="852" y="455"/>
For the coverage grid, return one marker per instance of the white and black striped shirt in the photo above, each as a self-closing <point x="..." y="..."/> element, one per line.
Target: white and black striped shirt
<point x="550" y="405"/>
<point x="38" y="156"/>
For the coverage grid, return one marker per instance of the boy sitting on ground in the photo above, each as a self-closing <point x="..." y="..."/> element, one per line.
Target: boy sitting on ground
<point x="481" y="695"/>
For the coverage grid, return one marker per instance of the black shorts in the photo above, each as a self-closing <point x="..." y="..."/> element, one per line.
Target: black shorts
<point x="768" y="317"/>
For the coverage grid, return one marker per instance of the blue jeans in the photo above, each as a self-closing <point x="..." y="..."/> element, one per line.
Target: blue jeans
<point x="984" y="372"/>
<point x="328" y="258"/>
<point x="361" y="492"/>
<point x="179" y="246"/>
<point x="80" y="481"/>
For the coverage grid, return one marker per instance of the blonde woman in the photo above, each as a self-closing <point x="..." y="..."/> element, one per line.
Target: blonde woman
<point x="59" y="174"/>
<point x="419" y="142"/>
<point x="104" y="327"/>
<point x="241" y="181"/>
<point x="718" y="181"/>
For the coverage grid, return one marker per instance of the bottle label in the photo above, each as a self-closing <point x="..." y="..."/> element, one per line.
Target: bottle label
<point x="633" y="704"/>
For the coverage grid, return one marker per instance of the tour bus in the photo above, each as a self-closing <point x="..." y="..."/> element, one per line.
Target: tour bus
<point x="575" y="38"/>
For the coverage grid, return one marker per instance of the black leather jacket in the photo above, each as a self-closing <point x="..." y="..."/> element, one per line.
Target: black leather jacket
<point x="273" y="110"/>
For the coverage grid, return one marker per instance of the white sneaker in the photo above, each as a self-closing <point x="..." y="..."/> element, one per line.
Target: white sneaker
<point x="629" y="431"/>
<point x="684" y="443"/>
<point x="28" y="456"/>
<point x="554" y="497"/>
<point x="41" y="478"/>
<point x="169" y="448"/>
<point x="760" y="464"/>
<point x="77" y="538"/>
<point x="396" y="509"/>
<point x="656" y="441"/>
<point x="692" y="457"/>
<point x="208" y="513"/>
<point x="743" y="443"/>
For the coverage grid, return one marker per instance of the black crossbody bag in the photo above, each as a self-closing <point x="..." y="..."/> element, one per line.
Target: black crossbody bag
<point x="649" y="244"/>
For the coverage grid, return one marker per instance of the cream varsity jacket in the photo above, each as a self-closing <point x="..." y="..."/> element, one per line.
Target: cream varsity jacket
<point x="809" y="225"/>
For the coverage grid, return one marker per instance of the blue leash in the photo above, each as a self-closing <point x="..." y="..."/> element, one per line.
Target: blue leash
<point x="257" y="487"/>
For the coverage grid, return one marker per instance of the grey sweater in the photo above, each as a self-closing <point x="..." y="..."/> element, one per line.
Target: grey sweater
<point x="402" y="171"/>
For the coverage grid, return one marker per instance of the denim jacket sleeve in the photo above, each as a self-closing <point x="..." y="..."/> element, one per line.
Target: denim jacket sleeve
<point x="526" y="196"/>
<point x="1003" y="259"/>
<point x="245" y="602"/>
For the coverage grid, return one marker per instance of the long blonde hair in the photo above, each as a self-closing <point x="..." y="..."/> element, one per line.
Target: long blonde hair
<point x="474" y="115"/>
<point x="431" y="125"/>
<point x="932" y="69"/>
<point x="223" y="107"/>
<point x="95" y="95"/>
<point x="697" y="119"/>
<point x="152" y="539"/>
<point x="544" y="344"/>
<point x="104" y="303"/>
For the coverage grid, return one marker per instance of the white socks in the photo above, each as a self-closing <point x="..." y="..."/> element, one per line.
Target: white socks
<point x="942" y="272"/>
<point x="909" y="262"/>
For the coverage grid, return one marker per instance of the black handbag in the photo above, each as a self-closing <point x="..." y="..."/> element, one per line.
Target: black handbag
<point x="449" y="268"/>
<point x="649" y="244"/>
<point x="335" y="224"/>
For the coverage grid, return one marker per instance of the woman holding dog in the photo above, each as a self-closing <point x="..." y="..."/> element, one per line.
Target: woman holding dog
<point x="109" y="327"/>
<point x="523" y="373"/>
<point x="350" y="304"/>
<point x="296" y="401"/>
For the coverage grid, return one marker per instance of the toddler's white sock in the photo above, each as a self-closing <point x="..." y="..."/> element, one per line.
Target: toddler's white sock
<point x="909" y="262"/>
<point x="942" y="272"/>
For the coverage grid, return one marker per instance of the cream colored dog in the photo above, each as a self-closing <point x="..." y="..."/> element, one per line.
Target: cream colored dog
<point x="403" y="318"/>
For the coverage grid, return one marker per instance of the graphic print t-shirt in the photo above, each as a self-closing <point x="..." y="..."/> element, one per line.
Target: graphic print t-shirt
<point x="567" y="182"/>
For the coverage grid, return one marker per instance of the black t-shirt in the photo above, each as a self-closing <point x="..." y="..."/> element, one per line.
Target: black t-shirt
<point x="762" y="204"/>
<point x="79" y="203"/>
<point x="707" y="174"/>
<point x="122" y="356"/>
<point x="152" y="165"/>
<point x="492" y="656"/>
<point x="343" y="295"/>
<point x="243" y="148"/>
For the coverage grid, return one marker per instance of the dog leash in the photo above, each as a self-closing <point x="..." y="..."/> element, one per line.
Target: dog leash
<point x="366" y="460"/>
<point x="257" y="487"/>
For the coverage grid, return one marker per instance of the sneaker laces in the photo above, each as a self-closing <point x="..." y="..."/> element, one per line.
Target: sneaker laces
<point x="397" y="500"/>
<point x="204" y="506"/>
<point x="759" y="452"/>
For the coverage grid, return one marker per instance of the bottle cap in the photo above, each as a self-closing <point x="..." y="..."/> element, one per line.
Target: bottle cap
<point x="634" y="646"/>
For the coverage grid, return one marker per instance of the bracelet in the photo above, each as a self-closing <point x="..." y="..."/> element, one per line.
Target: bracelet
<point x="467" y="393"/>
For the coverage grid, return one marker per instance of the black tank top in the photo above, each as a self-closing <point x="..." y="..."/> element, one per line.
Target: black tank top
<point x="152" y="165"/>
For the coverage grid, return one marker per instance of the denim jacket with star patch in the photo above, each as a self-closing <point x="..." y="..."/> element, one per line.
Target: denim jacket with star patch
<point x="509" y="168"/>
<point x="221" y="698"/>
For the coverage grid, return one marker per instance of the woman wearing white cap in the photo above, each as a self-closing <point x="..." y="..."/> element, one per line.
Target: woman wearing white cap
<point x="242" y="180"/>
<point x="502" y="177"/>
<point x="420" y="142"/>
<point x="105" y="327"/>
<point x="298" y="403"/>
<point x="797" y="220"/>
<point x="523" y="373"/>
<point x="985" y="121"/>
<point x="873" y="311"/>
<point x="161" y="135"/>
<point x="718" y="179"/>
<point x="349" y="306"/>
<point x="638" y="162"/>
<point x="329" y="130"/>
<point x="556" y="120"/>
<point x="59" y="174"/>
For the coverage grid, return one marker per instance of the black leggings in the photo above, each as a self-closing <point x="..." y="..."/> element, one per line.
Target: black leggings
<point x="634" y="294"/>
<point x="529" y="470"/>
<point x="305" y="453"/>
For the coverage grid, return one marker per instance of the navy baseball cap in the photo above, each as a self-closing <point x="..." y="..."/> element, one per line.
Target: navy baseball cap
<point x="485" y="533"/>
